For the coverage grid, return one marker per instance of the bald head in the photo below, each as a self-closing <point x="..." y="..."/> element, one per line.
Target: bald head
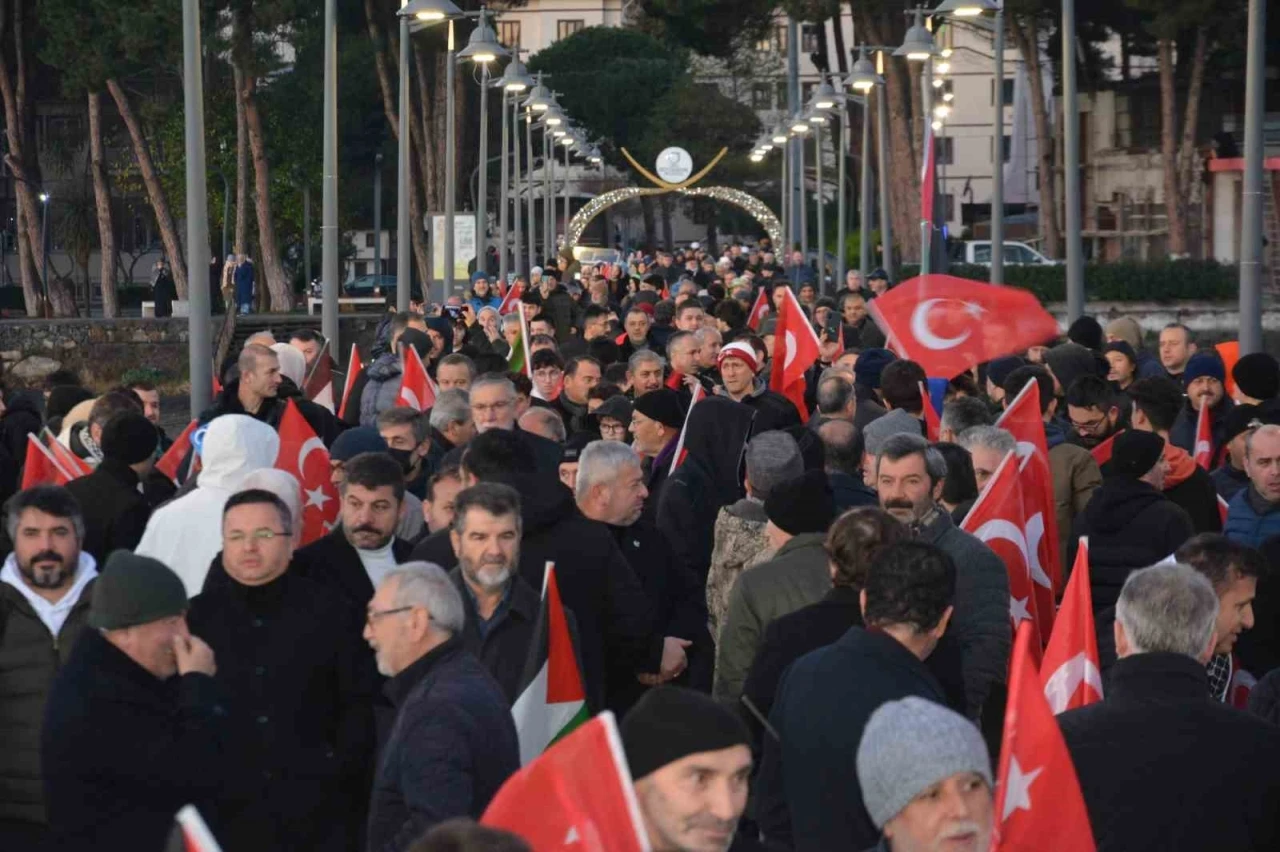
<point x="842" y="445"/>
<point x="543" y="422"/>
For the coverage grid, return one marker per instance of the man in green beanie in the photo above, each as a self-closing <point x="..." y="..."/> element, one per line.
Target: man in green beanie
<point x="133" y="727"/>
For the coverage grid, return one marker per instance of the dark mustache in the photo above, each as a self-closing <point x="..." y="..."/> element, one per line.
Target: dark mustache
<point x="898" y="504"/>
<point x="48" y="556"/>
<point x="367" y="528"/>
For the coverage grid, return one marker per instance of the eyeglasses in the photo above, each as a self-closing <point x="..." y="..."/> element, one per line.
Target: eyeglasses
<point x="615" y="429"/>
<point x="1089" y="427"/>
<point x="261" y="536"/>
<point x="374" y="614"/>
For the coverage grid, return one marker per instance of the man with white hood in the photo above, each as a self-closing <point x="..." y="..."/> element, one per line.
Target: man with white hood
<point x="186" y="534"/>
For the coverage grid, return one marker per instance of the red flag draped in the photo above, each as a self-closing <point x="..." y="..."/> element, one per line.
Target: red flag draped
<point x="1203" y="455"/>
<point x="169" y="463"/>
<point x="759" y="310"/>
<point x="417" y="391"/>
<point x="1071" y="669"/>
<point x="576" y="795"/>
<point x="933" y="426"/>
<point x="304" y="455"/>
<point x="1102" y="453"/>
<point x="1038" y="804"/>
<point x="67" y="460"/>
<point x="511" y="301"/>
<point x="795" y="349"/>
<point x="1023" y="420"/>
<point x="678" y="457"/>
<point x="319" y="385"/>
<point x="40" y="467"/>
<point x="353" y="369"/>
<point x="947" y="324"/>
<point x="997" y="519"/>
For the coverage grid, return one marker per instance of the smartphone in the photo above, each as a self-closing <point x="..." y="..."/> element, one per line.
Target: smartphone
<point x="832" y="328"/>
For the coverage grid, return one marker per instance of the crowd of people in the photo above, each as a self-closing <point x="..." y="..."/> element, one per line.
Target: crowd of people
<point x="803" y="648"/>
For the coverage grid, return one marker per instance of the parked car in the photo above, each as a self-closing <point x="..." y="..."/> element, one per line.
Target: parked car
<point x="375" y="285"/>
<point x="1015" y="254"/>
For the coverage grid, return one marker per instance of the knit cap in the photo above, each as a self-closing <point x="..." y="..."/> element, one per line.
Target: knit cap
<point x="134" y="589"/>
<point x="129" y="438"/>
<point x="801" y="505"/>
<point x="671" y="722"/>
<point x="1257" y="375"/>
<point x="663" y="405"/>
<point x="1204" y="364"/>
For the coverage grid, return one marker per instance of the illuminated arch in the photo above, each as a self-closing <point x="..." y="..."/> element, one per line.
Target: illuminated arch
<point x="756" y="208"/>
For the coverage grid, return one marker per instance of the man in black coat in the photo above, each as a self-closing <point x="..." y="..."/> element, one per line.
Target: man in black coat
<point x="808" y="796"/>
<point x="115" y="511"/>
<point x="301" y="685"/>
<point x="493" y="406"/>
<point x="842" y="451"/>
<point x="453" y="743"/>
<point x="1204" y="380"/>
<point x="615" y="619"/>
<point x="263" y="393"/>
<point x="610" y="489"/>
<point x="1155" y="407"/>
<point x="353" y="558"/>
<point x="134" y="727"/>
<point x="1162" y="765"/>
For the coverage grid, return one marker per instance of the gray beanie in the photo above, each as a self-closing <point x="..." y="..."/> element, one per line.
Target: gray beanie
<point x="909" y="745"/>
<point x="135" y="589"/>
<point x="896" y="422"/>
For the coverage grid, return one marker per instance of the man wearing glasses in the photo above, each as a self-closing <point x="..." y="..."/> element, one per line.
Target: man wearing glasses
<point x="1093" y="412"/>
<point x="289" y="651"/>
<point x="493" y="406"/>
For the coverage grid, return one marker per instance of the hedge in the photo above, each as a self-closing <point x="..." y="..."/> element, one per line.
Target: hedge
<point x="1128" y="281"/>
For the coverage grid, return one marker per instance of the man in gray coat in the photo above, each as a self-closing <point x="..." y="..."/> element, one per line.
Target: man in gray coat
<point x="799" y="512"/>
<point x="909" y="474"/>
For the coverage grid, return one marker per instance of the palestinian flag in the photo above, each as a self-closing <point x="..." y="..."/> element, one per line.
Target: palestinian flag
<point x="518" y="360"/>
<point x="553" y="701"/>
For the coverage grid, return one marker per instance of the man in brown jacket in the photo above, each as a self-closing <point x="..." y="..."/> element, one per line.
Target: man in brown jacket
<point x="1075" y="473"/>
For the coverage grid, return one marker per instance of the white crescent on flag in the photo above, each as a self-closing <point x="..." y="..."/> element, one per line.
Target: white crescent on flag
<point x="308" y="446"/>
<point x="791" y="350"/>
<point x="921" y="331"/>
<point x="411" y="398"/>
<point x="1064" y="682"/>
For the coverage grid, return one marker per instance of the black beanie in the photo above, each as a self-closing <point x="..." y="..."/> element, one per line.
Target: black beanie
<point x="62" y="399"/>
<point x="802" y="505"/>
<point x="135" y="589"/>
<point x="663" y="405"/>
<point x="418" y="340"/>
<point x="1134" y="453"/>
<point x="1257" y="375"/>
<point x="129" y="438"/>
<point x="1087" y="332"/>
<point x="671" y="722"/>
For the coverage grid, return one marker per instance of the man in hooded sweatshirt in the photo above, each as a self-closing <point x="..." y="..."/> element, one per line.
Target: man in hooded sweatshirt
<point x="186" y="534"/>
<point x="383" y="376"/>
<point x="1156" y="402"/>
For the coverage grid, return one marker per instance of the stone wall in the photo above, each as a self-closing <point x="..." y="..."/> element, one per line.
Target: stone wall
<point x="101" y="351"/>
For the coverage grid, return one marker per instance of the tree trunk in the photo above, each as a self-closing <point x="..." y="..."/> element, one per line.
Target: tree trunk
<point x="270" y="268"/>
<point x="650" y="222"/>
<point x="417" y="233"/>
<point x="241" y="235"/>
<point x="1186" y="148"/>
<point x="1168" y="149"/>
<point x="13" y="132"/>
<point x="668" y="241"/>
<point x="1024" y="33"/>
<point x="102" y="202"/>
<point x="903" y="162"/>
<point x="155" y="192"/>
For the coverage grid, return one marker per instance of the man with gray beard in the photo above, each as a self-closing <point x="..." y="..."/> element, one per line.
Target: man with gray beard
<point x="500" y="607"/>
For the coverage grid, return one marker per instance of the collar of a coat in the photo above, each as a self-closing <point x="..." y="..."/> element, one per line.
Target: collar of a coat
<point x="397" y="689"/>
<point x="1158" y="675"/>
<point x="800" y="541"/>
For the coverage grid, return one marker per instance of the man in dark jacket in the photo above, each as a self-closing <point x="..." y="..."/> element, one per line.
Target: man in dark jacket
<point x="393" y="327"/>
<point x="352" y="559"/>
<point x="21" y="416"/>
<point x="115" y="511"/>
<point x="1230" y="478"/>
<point x="1155" y="407"/>
<point x="1253" y="515"/>
<point x="842" y="449"/>
<point x="738" y="367"/>
<point x="610" y="490"/>
<point x="615" y="619"/>
<point x="301" y="682"/>
<point x="1162" y="765"/>
<point x="656" y="419"/>
<point x="1129" y="521"/>
<point x="1204" y="381"/>
<point x="134" y="728"/>
<point x="559" y="306"/>
<point x="263" y="393"/>
<point x="45" y="586"/>
<point x="453" y="743"/>
<point x="909" y="480"/>
<point x="808" y="796"/>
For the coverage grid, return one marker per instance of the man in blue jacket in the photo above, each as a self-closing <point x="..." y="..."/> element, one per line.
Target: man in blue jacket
<point x="1253" y="515"/>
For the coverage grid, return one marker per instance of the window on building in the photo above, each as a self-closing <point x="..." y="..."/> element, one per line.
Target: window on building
<point x="780" y="95"/>
<point x="761" y="96"/>
<point x="806" y="92"/>
<point x="509" y="34"/>
<point x="1006" y="148"/>
<point x="948" y="206"/>
<point x="944" y="148"/>
<point x="368" y="239"/>
<point x="1006" y="92"/>
<point x="810" y="38"/>
<point x="780" y="39"/>
<point x="567" y="27"/>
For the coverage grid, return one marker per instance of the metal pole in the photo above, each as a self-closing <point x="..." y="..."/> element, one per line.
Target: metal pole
<point x="329" y="200"/>
<point x="1071" y="164"/>
<point x="1251" y="230"/>
<point x="864" y="216"/>
<point x="529" y="196"/>
<point x="926" y="227"/>
<point x="404" y="239"/>
<point x="566" y="194"/>
<point x="842" y="222"/>
<point x="377" y="214"/>
<point x="306" y="236"/>
<point x="44" y="252"/>
<point x="997" y="170"/>
<point x="549" y="207"/>
<point x="450" y="167"/>
<point x="482" y="189"/>
<point x="505" y="178"/>
<point x="515" y="183"/>
<point x="817" y="197"/>
<point x="226" y="211"/>
<point x="199" y="345"/>
<point x="802" y="208"/>
<point x="785" y="150"/>
<point x="882" y="166"/>
<point x="796" y="180"/>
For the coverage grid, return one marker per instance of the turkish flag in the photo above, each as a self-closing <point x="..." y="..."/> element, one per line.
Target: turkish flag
<point x="677" y="458"/>
<point x="759" y="310"/>
<point x="353" y="369"/>
<point x="947" y="324"/>
<point x="675" y="381"/>
<point x="67" y="460"/>
<point x="795" y="349"/>
<point x="576" y="795"/>
<point x="304" y="455"/>
<point x="1071" y="670"/>
<point x="319" y="385"/>
<point x="933" y="426"/>
<point x="40" y="467"/>
<point x="171" y="461"/>
<point x="1022" y="419"/>
<point x="997" y="519"/>
<point x="511" y="301"/>
<point x="1038" y="804"/>
<point x="1203" y="455"/>
<point x="417" y="391"/>
<point x="1102" y="452"/>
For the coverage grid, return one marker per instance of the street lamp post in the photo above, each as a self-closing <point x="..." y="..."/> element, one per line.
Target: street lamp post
<point x="1251" y="230"/>
<point x="329" y="186"/>
<point x="503" y="180"/>
<point x="483" y="49"/>
<point x="377" y="217"/>
<point x="404" y="239"/>
<point x="514" y="81"/>
<point x="199" y="346"/>
<point x="842" y="168"/>
<point x="1071" y="165"/>
<point x="516" y="248"/>
<point x="539" y="101"/>
<point x="818" y="120"/>
<point x="44" y="251"/>
<point x="863" y="78"/>
<point x="918" y="46"/>
<point x="799" y="209"/>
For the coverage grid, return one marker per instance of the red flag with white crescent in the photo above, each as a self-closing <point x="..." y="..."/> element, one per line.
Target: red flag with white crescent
<point x="795" y="349"/>
<point x="40" y="467"/>
<point x="678" y="457"/>
<point x="303" y="454"/>
<point x="417" y="391"/>
<point x="511" y="301"/>
<point x="997" y="520"/>
<point x="67" y="460"/>
<point x="947" y="324"/>
<point x="353" y="369"/>
<point x="1071" y="669"/>
<point x="1203" y="456"/>
<point x="318" y="386"/>
<point x="759" y="310"/>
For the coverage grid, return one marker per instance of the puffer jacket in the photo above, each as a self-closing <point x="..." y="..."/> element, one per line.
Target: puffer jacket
<point x="1251" y="520"/>
<point x="740" y="544"/>
<point x="382" y="386"/>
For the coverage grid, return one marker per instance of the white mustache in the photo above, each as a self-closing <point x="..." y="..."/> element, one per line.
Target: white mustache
<point x="960" y="829"/>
